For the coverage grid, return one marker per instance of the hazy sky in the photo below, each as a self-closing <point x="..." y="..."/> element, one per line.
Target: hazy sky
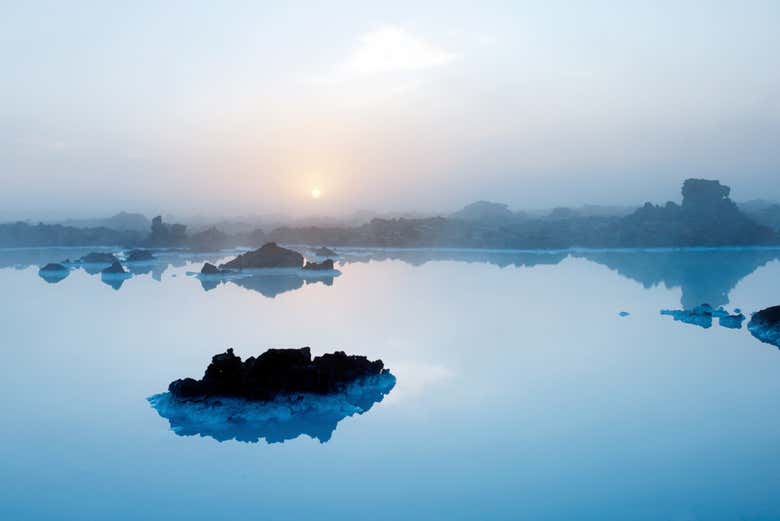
<point x="246" y="107"/>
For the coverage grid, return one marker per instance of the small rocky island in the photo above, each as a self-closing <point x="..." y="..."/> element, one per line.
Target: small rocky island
<point x="765" y="325"/>
<point x="277" y="372"/>
<point x="269" y="255"/>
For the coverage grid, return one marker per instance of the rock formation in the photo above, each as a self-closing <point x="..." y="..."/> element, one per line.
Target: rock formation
<point x="54" y="267"/>
<point x="765" y="325"/>
<point x="326" y="265"/>
<point x="268" y="256"/>
<point x="277" y="372"/>
<point x="210" y="269"/>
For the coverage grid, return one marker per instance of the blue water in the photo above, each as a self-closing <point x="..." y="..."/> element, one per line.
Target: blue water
<point x="520" y="393"/>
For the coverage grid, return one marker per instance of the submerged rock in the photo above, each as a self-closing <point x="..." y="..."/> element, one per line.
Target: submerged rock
<point x="115" y="269"/>
<point x="99" y="258"/>
<point x="139" y="256"/>
<point x="324" y="251"/>
<point x="326" y="265"/>
<point x="732" y="321"/>
<point x="700" y="315"/>
<point x="268" y="256"/>
<point x="286" y="417"/>
<point x="765" y="325"/>
<point x="277" y="372"/>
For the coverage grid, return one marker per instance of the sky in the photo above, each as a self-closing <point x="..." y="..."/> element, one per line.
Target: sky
<point x="237" y="108"/>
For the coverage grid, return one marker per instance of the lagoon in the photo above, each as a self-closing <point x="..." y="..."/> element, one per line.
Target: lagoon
<point x="520" y="392"/>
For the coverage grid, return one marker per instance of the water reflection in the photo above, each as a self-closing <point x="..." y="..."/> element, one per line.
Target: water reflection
<point x="272" y="285"/>
<point x="419" y="257"/>
<point x="704" y="276"/>
<point x="276" y="421"/>
<point x="53" y="277"/>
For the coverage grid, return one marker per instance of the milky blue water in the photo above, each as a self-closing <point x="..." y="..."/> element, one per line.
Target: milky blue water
<point x="520" y="394"/>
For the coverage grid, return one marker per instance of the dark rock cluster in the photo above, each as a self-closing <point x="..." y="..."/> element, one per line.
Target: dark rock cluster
<point x="326" y="265"/>
<point x="703" y="314"/>
<point x="268" y="256"/>
<point x="275" y="372"/>
<point x="765" y="325"/>
<point x="210" y="269"/>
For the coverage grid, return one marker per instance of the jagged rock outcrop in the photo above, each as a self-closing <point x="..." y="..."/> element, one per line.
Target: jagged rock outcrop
<point x="765" y="325"/>
<point x="326" y="265"/>
<point x="275" y="372"/>
<point x="268" y="256"/>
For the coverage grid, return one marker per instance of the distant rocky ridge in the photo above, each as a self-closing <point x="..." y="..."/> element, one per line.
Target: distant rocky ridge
<point x="706" y="217"/>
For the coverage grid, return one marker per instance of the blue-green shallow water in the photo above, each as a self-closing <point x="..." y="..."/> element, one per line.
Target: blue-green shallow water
<point x="520" y="394"/>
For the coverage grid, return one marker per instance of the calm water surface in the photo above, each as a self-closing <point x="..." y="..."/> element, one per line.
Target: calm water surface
<point x="520" y="394"/>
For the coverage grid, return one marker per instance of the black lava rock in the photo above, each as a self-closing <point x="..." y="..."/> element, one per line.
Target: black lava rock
<point x="268" y="256"/>
<point x="765" y="325"/>
<point x="277" y="371"/>
<point x="326" y="265"/>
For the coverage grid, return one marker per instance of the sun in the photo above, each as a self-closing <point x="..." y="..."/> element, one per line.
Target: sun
<point x="315" y="193"/>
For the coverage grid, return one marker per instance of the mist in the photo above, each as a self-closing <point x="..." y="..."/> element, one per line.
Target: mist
<point x="232" y="109"/>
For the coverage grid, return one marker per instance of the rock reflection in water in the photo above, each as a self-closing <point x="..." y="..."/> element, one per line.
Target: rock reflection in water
<point x="284" y="418"/>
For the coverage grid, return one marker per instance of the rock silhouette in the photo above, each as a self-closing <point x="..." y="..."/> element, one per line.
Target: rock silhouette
<point x="326" y="265"/>
<point x="284" y="418"/>
<point x="765" y="325"/>
<point x="267" y="256"/>
<point x="275" y="372"/>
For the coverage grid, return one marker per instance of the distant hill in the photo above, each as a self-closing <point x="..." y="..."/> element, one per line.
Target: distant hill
<point x="486" y="211"/>
<point x="123" y="221"/>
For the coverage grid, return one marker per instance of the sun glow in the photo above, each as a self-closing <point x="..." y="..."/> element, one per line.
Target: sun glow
<point x="315" y="193"/>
